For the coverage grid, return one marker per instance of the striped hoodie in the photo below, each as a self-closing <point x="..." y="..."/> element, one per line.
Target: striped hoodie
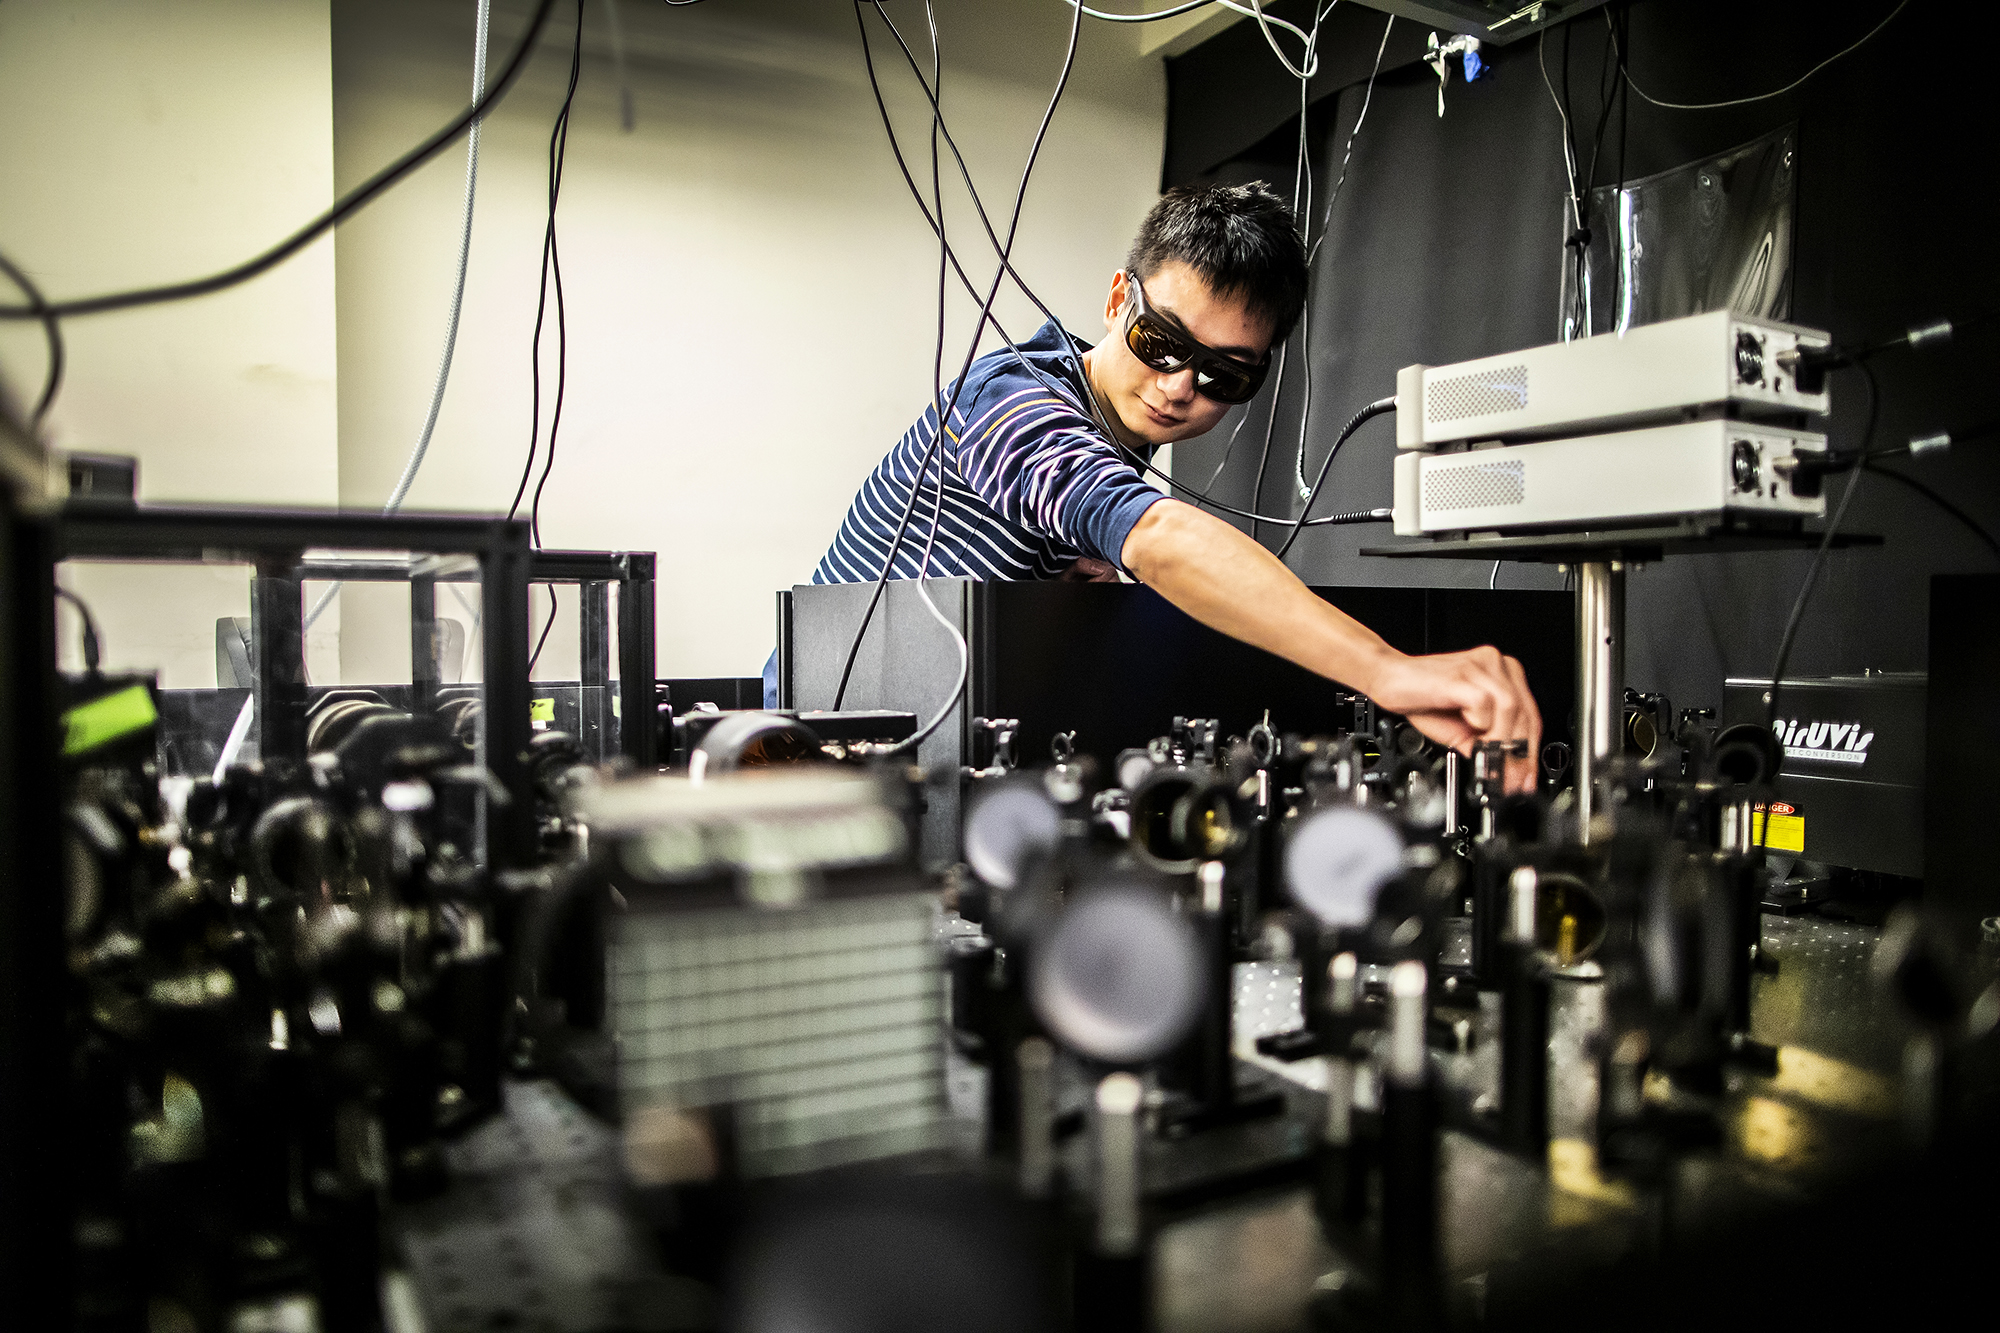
<point x="1030" y="482"/>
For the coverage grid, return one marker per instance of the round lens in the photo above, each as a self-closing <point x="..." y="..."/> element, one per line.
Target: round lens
<point x="1155" y="346"/>
<point x="1225" y="383"/>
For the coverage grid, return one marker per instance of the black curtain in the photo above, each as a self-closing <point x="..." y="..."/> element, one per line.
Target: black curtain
<point x="1446" y="243"/>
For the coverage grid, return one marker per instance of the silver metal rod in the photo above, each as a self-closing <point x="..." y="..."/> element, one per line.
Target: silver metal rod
<point x="1342" y="997"/>
<point x="1600" y="670"/>
<point x="1451" y="786"/>
<point x="1036" y="1061"/>
<point x="1344" y="983"/>
<point x="1521" y="905"/>
<point x="1339" y="1100"/>
<point x="1408" y="1060"/>
<point x="1118" y="1098"/>
<point x="1210" y="879"/>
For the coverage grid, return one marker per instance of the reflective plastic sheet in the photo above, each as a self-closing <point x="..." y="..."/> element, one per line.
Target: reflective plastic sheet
<point x="1710" y="235"/>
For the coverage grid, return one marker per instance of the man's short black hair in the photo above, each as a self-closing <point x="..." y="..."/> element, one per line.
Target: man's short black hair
<point x="1242" y="239"/>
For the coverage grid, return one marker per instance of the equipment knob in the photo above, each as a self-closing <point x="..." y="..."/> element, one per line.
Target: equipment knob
<point x="1744" y="466"/>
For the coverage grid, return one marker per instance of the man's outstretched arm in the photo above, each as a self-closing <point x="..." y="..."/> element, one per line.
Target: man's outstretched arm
<point x="1230" y="583"/>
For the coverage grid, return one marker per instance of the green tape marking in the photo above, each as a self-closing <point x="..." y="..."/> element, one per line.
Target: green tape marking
<point x="541" y="710"/>
<point x="101" y="721"/>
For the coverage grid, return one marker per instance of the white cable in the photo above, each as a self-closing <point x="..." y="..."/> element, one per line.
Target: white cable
<point x="237" y="734"/>
<point x="416" y="459"/>
<point x="1254" y="9"/>
<point x="627" y="118"/>
<point x="952" y="700"/>
<point x="1175" y="12"/>
<point x="1367" y="96"/>
<point x="1572" y="191"/>
<point x="1763" y="97"/>
<point x="423" y="444"/>
<point x="1569" y="158"/>
<point x="1264" y="21"/>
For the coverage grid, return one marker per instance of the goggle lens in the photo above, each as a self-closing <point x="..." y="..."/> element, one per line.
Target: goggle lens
<point x="1215" y="377"/>
<point x="1157" y="347"/>
<point x="1225" y="384"/>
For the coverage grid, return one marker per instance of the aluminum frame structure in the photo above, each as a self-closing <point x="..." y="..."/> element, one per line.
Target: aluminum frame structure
<point x="594" y="572"/>
<point x="274" y="542"/>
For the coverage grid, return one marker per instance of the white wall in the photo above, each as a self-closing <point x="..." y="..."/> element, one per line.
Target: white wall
<point x="153" y="140"/>
<point x="751" y="292"/>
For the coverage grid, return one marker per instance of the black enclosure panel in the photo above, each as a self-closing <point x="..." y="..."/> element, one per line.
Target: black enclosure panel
<point x="1962" y="735"/>
<point x="1861" y="796"/>
<point x="1116" y="663"/>
<point x="682" y="694"/>
<point x="906" y="662"/>
<point x="37" y="1162"/>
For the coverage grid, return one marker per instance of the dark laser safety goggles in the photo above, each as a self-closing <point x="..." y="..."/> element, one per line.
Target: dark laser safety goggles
<point x="1168" y="350"/>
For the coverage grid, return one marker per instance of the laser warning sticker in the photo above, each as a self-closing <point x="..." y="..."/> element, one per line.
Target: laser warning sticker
<point x="106" y="718"/>
<point x="1786" y="831"/>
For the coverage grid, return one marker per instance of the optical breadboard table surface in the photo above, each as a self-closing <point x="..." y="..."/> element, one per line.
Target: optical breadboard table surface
<point x="1695" y="536"/>
<point x="538" y="1232"/>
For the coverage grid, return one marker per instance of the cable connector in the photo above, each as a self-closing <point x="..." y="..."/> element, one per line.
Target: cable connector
<point x="1805" y="469"/>
<point x="1935" y="442"/>
<point x="1808" y="366"/>
<point x="1938" y="332"/>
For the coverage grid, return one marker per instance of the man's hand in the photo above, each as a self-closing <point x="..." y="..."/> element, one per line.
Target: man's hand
<point x="1461" y="699"/>
<point x="1230" y="583"/>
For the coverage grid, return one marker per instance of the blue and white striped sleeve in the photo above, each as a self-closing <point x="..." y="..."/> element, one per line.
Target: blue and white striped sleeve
<point x="1042" y="464"/>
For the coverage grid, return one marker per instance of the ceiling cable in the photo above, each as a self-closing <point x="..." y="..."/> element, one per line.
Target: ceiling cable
<point x="482" y="23"/>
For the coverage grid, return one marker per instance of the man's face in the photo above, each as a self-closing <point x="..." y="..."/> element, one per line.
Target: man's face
<point x="1151" y="405"/>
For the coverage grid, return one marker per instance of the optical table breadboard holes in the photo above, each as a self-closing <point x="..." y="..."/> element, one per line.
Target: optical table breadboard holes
<point x="1823" y="997"/>
<point x="535" y="1234"/>
<point x="817" y="1026"/>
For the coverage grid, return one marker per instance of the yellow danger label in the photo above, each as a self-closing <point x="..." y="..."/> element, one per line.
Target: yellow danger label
<point x="1787" y="833"/>
<point x="120" y="713"/>
<point x="541" y="710"/>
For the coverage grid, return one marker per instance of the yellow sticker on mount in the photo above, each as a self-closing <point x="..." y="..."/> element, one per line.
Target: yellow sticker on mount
<point x="105" y="719"/>
<point x="1787" y="831"/>
<point x="541" y="710"/>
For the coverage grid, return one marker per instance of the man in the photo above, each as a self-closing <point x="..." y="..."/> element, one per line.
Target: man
<point x="1033" y="489"/>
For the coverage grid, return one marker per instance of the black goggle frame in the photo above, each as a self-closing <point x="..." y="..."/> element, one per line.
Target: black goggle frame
<point x="1168" y="350"/>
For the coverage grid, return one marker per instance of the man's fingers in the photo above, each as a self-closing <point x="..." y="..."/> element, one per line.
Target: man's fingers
<point x="1501" y="708"/>
<point x="1445" y="728"/>
<point x="1461" y="699"/>
<point x="1529" y="708"/>
<point x="1475" y="697"/>
<point x="1521" y="774"/>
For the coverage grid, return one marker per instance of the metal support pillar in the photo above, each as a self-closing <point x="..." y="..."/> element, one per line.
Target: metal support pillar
<point x="278" y="642"/>
<point x="637" y="722"/>
<point x="594" y="667"/>
<point x="503" y="595"/>
<point x="1600" y="683"/>
<point x="424" y="668"/>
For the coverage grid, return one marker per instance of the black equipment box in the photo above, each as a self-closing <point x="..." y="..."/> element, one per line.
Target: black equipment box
<point x="729" y="693"/>
<point x="1963" y="734"/>
<point x="1853" y="774"/>
<point x="1115" y="663"/>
